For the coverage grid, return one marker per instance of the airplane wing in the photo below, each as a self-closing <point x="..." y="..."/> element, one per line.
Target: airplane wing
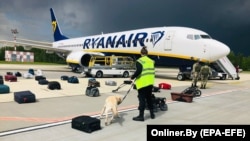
<point x="28" y="44"/>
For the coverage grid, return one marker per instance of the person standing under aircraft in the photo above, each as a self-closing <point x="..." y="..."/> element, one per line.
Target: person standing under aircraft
<point x="144" y="80"/>
<point x="195" y="72"/>
<point x="237" y="71"/>
<point x="205" y="72"/>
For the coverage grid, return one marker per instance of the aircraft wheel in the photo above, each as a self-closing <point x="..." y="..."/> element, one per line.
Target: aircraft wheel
<point x="99" y="74"/>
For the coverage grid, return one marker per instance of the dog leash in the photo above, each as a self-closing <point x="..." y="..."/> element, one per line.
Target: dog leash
<point x="132" y="85"/>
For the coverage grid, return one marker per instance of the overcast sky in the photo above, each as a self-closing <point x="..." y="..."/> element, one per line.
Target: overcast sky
<point x="225" y="20"/>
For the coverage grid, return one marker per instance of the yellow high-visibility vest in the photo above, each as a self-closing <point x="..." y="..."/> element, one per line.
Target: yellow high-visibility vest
<point x="147" y="75"/>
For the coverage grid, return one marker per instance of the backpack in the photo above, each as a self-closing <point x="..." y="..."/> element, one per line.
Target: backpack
<point x="92" y="91"/>
<point x="205" y="70"/>
<point x="197" y="68"/>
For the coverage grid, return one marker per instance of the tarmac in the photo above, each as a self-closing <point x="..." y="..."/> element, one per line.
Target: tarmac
<point x="223" y="102"/>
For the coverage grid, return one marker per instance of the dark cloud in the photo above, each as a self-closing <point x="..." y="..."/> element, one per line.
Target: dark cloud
<point x="224" y="20"/>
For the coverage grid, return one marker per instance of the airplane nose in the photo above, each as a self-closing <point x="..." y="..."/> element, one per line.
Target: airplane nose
<point x="220" y="50"/>
<point x="225" y="49"/>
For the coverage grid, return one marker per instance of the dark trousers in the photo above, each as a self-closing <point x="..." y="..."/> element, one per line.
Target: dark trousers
<point x="145" y="95"/>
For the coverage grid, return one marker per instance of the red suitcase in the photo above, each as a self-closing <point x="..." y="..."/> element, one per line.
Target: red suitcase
<point x="164" y="86"/>
<point x="11" y="78"/>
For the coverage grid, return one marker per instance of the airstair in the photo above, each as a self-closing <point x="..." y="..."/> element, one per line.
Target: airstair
<point x="226" y="66"/>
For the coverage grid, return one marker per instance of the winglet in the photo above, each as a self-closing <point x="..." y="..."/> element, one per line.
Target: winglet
<point x="55" y="27"/>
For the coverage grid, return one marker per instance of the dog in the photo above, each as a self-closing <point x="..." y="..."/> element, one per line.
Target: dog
<point x="111" y="104"/>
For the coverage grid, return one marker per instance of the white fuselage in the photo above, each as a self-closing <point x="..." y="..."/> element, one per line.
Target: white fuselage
<point x="176" y="42"/>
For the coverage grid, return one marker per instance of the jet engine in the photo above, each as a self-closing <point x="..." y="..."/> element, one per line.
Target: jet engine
<point x="80" y="58"/>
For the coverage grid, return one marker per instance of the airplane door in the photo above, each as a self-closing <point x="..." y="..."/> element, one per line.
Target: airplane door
<point x="168" y="40"/>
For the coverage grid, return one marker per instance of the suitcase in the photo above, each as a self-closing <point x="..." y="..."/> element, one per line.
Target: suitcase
<point x="18" y="74"/>
<point x="73" y="79"/>
<point x="10" y="78"/>
<point x="4" y="89"/>
<point x="164" y="86"/>
<point x="37" y="78"/>
<point x="43" y="82"/>
<point x="64" y="77"/>
<point x="182" y="97"/>
<point x="86" y="123"/>
<point x="1" y="81"/>
<point x="24" y="97"/>
<point x="31" y="71"/>
<point x="92" y="82"/>
<point x="9" y="73"/>
<point x="52" y="85"/>
<point x="92" y="91"/>
<point x="110" y="83"/>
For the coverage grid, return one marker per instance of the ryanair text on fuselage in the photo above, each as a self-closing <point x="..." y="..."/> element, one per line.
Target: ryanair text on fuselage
<point x="133" y="40"/>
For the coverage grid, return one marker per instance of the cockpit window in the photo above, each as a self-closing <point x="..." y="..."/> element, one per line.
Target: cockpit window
<point x="196" y="37"/>
<point x="205" y="37"/>
<point x="190" y="36"/>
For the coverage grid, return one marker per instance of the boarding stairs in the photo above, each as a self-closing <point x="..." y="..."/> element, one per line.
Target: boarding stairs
<point x="227" y="67"/>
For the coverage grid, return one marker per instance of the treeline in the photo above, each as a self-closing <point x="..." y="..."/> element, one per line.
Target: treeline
<point x="240" y="59"/>
<point x="40" y="55"/>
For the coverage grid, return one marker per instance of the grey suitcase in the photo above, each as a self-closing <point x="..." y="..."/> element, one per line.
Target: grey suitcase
<point x="92" y="91"/>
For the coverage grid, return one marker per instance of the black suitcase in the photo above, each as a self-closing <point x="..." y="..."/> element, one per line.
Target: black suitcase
<point x="64" y="77"/>
<point x="24" y="97"/>
<point x="1" y="81"/>
<point x="52" y="85"/>
<point x="86" y="123"/>
<point x="37" y="78"/>
<point x="43" y="82"/>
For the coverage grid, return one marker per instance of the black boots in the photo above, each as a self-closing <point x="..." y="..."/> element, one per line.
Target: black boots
<point x="140" y="117"/>
<point x="152" y="115"/>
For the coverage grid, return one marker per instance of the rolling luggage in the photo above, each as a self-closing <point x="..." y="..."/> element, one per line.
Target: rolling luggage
<point x="24" y="97"/>
<point x="52" y="85"/>
<point x="86" y="123"/>
<point x="92" y="91"/>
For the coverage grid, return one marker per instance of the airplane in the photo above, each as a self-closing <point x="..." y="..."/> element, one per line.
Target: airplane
<point x="166" y="45"/>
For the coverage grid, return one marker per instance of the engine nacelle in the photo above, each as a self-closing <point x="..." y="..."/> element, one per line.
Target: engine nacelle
<point x="81" y="58"/>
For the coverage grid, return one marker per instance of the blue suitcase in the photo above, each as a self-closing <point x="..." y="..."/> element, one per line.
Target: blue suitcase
<point x="24" y="97"/>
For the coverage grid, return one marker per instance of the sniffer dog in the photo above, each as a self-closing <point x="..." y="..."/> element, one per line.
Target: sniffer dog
<point x="111" y="104"/>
